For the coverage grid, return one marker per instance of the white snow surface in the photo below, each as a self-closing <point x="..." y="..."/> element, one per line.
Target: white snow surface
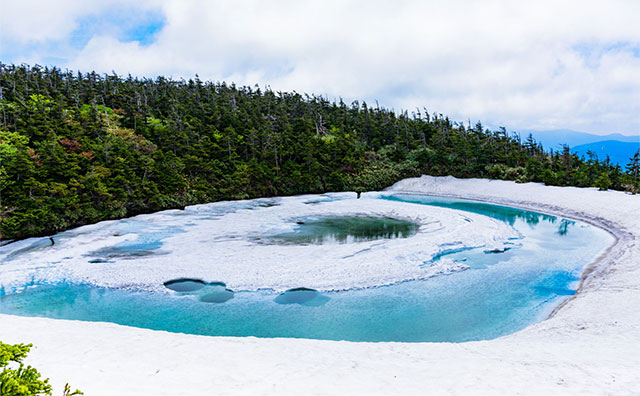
<point x="221" y="245"/>
<point x="590" y="345"/>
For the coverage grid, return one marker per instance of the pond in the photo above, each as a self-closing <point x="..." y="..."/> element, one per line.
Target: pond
<point x="345" y="229"/>
<point x="502" y="290"/>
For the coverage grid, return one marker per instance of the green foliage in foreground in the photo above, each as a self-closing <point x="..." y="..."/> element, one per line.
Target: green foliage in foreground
<point x="79" y="148"/>
<point x="18" y="380"/>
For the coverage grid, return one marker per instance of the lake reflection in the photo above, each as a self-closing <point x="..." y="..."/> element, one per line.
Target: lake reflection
<point x="503" y="213"/>
<point x="345" y="229"/>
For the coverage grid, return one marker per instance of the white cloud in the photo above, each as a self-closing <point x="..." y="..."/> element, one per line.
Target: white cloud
<point x="517" y="64"/>
<point x="28" y="21"/>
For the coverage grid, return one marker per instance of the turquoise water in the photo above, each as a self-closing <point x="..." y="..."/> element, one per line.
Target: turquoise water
<point x="502" y="292"/>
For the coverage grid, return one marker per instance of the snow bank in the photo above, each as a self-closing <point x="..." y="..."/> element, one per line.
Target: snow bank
<point x="590" y="346"/>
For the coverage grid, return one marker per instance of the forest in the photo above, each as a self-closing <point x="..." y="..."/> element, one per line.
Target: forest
<point x="77" y="148"/>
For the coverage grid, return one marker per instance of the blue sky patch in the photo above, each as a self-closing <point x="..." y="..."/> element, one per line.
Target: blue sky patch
<point x="634" y="48"/>
<point x="125" y="24"/>
<point x="593" y="52"/>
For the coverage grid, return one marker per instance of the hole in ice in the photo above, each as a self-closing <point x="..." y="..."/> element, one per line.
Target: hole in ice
<point x="145" y="243"/>
<point x="100" y="261"/>
<point x="219" y="294"/>
<point x="345" y="229"/>
<point x="184" y="285"/>
<point x="302" y="296"/>
<point x="497" y="250"/>
<point x="129" y="250"/>
<point x="265" y="204"/>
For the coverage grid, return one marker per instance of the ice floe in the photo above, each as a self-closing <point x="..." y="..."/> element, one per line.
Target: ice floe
<point x="234" y="242"/>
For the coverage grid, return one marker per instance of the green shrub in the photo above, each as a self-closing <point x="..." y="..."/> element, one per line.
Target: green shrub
<point x="603" y="182"/>
<point x="23" y="381"/>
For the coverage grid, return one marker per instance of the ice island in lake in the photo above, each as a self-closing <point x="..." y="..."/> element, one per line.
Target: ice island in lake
<point x="412" y="264"/>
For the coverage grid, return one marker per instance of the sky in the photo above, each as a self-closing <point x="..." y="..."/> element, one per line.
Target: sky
<point x="534" y="65"/>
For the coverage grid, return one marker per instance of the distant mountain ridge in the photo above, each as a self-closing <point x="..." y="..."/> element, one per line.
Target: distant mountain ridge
<point x="554" y="139"/>
<point x="618" y="147"/>
<point x="618" y="152"/>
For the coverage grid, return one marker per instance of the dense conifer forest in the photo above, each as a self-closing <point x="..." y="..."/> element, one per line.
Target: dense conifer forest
<point x="76" y="148"/>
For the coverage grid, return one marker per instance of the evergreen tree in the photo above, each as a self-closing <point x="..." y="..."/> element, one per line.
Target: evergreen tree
<point x="633" y="170"/>
<point x="77" y="148"/>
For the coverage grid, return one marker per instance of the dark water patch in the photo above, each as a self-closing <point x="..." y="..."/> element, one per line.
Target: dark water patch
<point x="217" y="296"/>
<point x="265" y="204"/>
<point x="185" y="285"/>
<point x="497" y="250"/>
<point x="38" y="244"/>
<point x="211" y="292"/>
<point x="147" y="243"/>
<point x="100" y="261"/>
<point x="316" y="201"/>
<point x="129" y="250"/>
<point x="302" y="296"/>
<point x="345" y="229"/>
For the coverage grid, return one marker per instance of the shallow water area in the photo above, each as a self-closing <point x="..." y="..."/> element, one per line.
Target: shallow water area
<point x="302" y="296"/>
<point x="218" y="296"/>
<point x="521" y="265"/>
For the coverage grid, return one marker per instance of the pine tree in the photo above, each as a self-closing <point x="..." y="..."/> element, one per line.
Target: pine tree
<point x="633" y="170"/>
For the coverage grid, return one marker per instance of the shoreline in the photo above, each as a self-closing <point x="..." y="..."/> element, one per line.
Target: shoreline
<point x="588" y="345"/>
<point x="588" y="268"/>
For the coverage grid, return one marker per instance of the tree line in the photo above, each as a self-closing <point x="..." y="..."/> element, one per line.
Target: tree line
<point x="77" y="148"/>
